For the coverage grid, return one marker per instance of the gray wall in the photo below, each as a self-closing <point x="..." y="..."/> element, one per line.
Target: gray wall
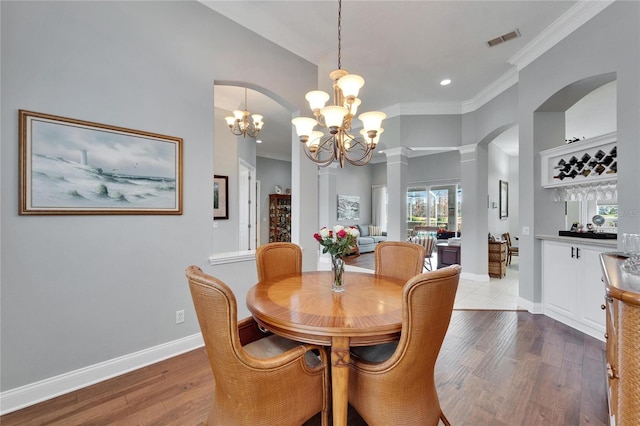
<point x="610" y="42"/>
<point x="77" y="291"/>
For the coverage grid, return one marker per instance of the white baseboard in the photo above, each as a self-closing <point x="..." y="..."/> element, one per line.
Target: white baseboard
<point x="534" y="308"/>
<point x="33" y="393"/>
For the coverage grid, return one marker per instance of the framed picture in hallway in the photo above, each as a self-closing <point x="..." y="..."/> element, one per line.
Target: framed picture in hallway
<point x="504" y="199"/>
<point x="75" y="167"/>
<point x="348" y="207"/>
<point x="220" y="191"/>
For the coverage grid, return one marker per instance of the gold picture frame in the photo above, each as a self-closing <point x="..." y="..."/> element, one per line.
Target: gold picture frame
<point x="76" y="167"/>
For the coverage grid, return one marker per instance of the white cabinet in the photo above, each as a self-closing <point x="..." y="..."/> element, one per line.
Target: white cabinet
<point x="572" y="288"/>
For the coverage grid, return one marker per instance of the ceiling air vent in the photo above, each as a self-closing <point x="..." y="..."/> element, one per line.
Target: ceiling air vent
<point x="505" y="37"/>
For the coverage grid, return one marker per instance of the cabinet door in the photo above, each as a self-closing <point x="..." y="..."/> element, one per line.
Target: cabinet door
<point x="591" y="288"/>
<point x="559" y="290"/>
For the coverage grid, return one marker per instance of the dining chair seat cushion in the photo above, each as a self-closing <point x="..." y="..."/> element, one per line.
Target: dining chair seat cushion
<point x="274" y="345"/>
<point x="375" y="353"/>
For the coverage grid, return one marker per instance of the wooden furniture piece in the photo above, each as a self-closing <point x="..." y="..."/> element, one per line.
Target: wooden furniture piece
<point x="623" y="348"/>
<point x="303" y="307"/>
<point x="448" y="254"/>
<point x="279" y="217"/>
<point x="511" y="250"/>
<point x="571" y="283"/>
<point x="397" y="259"/>
<point x="376" y="371"/>
<point x="497" y="259"/>
<point x="275" y="259"/>
<point x="259" y="378"/>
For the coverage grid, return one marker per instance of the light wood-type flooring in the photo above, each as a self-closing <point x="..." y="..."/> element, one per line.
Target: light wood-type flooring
<point x="495" y="368"/>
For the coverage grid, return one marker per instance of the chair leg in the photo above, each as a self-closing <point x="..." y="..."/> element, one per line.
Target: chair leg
<point x="445" y="421"/>
<point x="427" y="264"/>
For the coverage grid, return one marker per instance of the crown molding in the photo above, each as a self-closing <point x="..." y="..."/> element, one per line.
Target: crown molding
<point x="498" y="86"/>
<point x="570" y="21"/>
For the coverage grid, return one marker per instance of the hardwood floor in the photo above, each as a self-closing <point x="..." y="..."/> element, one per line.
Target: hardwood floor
<point x="365" y="260"/>
<point x="495" y="368"/>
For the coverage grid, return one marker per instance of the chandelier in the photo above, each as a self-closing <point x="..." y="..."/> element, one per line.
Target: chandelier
<point x="241" y="124"/>
<point x="339" y="144"/>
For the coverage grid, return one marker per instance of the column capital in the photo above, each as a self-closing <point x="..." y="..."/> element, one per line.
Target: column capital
<point x="397" y="151"/>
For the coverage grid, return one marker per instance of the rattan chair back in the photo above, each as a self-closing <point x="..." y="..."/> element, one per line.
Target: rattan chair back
<point x="276" y="259"/>
<point x="401" y="389"/>
<point x="397" y="259"/>
<point x="248" y="389"/>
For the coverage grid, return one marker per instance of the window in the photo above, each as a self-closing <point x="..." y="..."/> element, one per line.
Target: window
<point x="610" y="214"/>
<point x="439" y="206"/>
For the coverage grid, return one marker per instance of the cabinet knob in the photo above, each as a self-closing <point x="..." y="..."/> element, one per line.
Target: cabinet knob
<point x="606" y="335"/>
<point x="610" y="372"/>
<point x="603" y="307"/>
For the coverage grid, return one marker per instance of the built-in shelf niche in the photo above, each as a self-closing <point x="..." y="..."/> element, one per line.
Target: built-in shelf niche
<point x="582" y="162"/>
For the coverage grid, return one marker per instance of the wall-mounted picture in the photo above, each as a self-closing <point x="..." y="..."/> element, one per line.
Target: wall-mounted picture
<point x="504" y="199"/>
<point x="220" y="200"/>
<point x="348" y="207"/>
<point x="70" y="166"/>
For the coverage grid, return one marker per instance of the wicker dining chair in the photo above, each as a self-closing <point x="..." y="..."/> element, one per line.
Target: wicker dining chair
<point x="511" y="250"/>
<point x="259" y="378"/>
<point x="394" y="383"/>
<point x="275" y="259"/>
<point x="397" y="259"/>
<point x="429" y="243"/>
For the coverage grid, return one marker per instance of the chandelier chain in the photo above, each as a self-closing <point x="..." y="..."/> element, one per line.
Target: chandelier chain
<point x="339" y="33"/>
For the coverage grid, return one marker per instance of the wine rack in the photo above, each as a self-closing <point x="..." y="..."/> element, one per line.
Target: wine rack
<point x="279" y="217"/>
<point x="586" y="161"/>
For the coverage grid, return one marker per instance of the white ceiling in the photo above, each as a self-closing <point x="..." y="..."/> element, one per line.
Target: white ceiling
<point x="403" y="49"/>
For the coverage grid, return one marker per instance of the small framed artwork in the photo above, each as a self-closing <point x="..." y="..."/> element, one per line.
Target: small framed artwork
<point x="348" y="207"/>
<point x="504" y="199"/>
<point x="75" y="167"/>
<point x="220" y="200"/>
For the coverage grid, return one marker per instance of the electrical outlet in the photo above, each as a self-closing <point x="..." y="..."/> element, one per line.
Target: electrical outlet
<point x="525" y="230"/>
<point x="179" y="317"/>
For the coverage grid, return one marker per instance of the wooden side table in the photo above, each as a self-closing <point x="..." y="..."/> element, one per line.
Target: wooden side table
<point x="497" y="259"/>
<point x="448" y="255"/>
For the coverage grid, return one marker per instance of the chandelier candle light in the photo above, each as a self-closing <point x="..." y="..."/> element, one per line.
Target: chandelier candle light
<point x="339" y="145"/>
<point x="240" y="124"/>
<point x="338" y="243"/>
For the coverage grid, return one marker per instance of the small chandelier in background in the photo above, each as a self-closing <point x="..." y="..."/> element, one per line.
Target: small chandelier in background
<point x="339" y="144"/>
<point x="241" y="124"/>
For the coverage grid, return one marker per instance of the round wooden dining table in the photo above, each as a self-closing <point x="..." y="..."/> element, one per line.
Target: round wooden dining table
<point x="303" y="307"/>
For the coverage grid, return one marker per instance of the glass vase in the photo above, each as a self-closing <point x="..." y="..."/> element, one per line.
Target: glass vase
<point x="337" y="266"/>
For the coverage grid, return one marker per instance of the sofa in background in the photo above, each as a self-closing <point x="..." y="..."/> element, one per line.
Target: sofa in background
<point x="370" y="235"/>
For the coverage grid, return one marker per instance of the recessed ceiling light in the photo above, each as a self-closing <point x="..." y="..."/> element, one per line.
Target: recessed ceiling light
<point x="445" y="82"/>
<point x="258" y="140"/>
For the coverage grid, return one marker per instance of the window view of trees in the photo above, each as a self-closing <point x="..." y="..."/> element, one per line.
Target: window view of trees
<point x="434" y="206"/>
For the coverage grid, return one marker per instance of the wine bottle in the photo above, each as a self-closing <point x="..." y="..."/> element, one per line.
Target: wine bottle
<point x="586" y="172"/>
<point x="573" y="160"/>
<point x="614" y="152"/>
<point x="585" y="157"/>
<point x="607" y="160"/>
<point x="599" y="169"/>
<point x="560" y="176"/>
<point x="600" y="154"/>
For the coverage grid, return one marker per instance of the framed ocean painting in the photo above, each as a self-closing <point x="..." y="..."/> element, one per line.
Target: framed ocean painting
<point x="70" y="166"/>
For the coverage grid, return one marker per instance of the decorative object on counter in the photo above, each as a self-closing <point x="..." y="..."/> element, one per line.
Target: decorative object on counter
<point x="278" y="189"/>
<point x="631" y="247"/>
<point x="598" y="221"/>
<point x="573" y="139"/>
<point x="338" y="243"/>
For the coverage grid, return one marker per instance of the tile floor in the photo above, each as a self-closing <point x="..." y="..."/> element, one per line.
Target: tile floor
<point x="497" y="294"/>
